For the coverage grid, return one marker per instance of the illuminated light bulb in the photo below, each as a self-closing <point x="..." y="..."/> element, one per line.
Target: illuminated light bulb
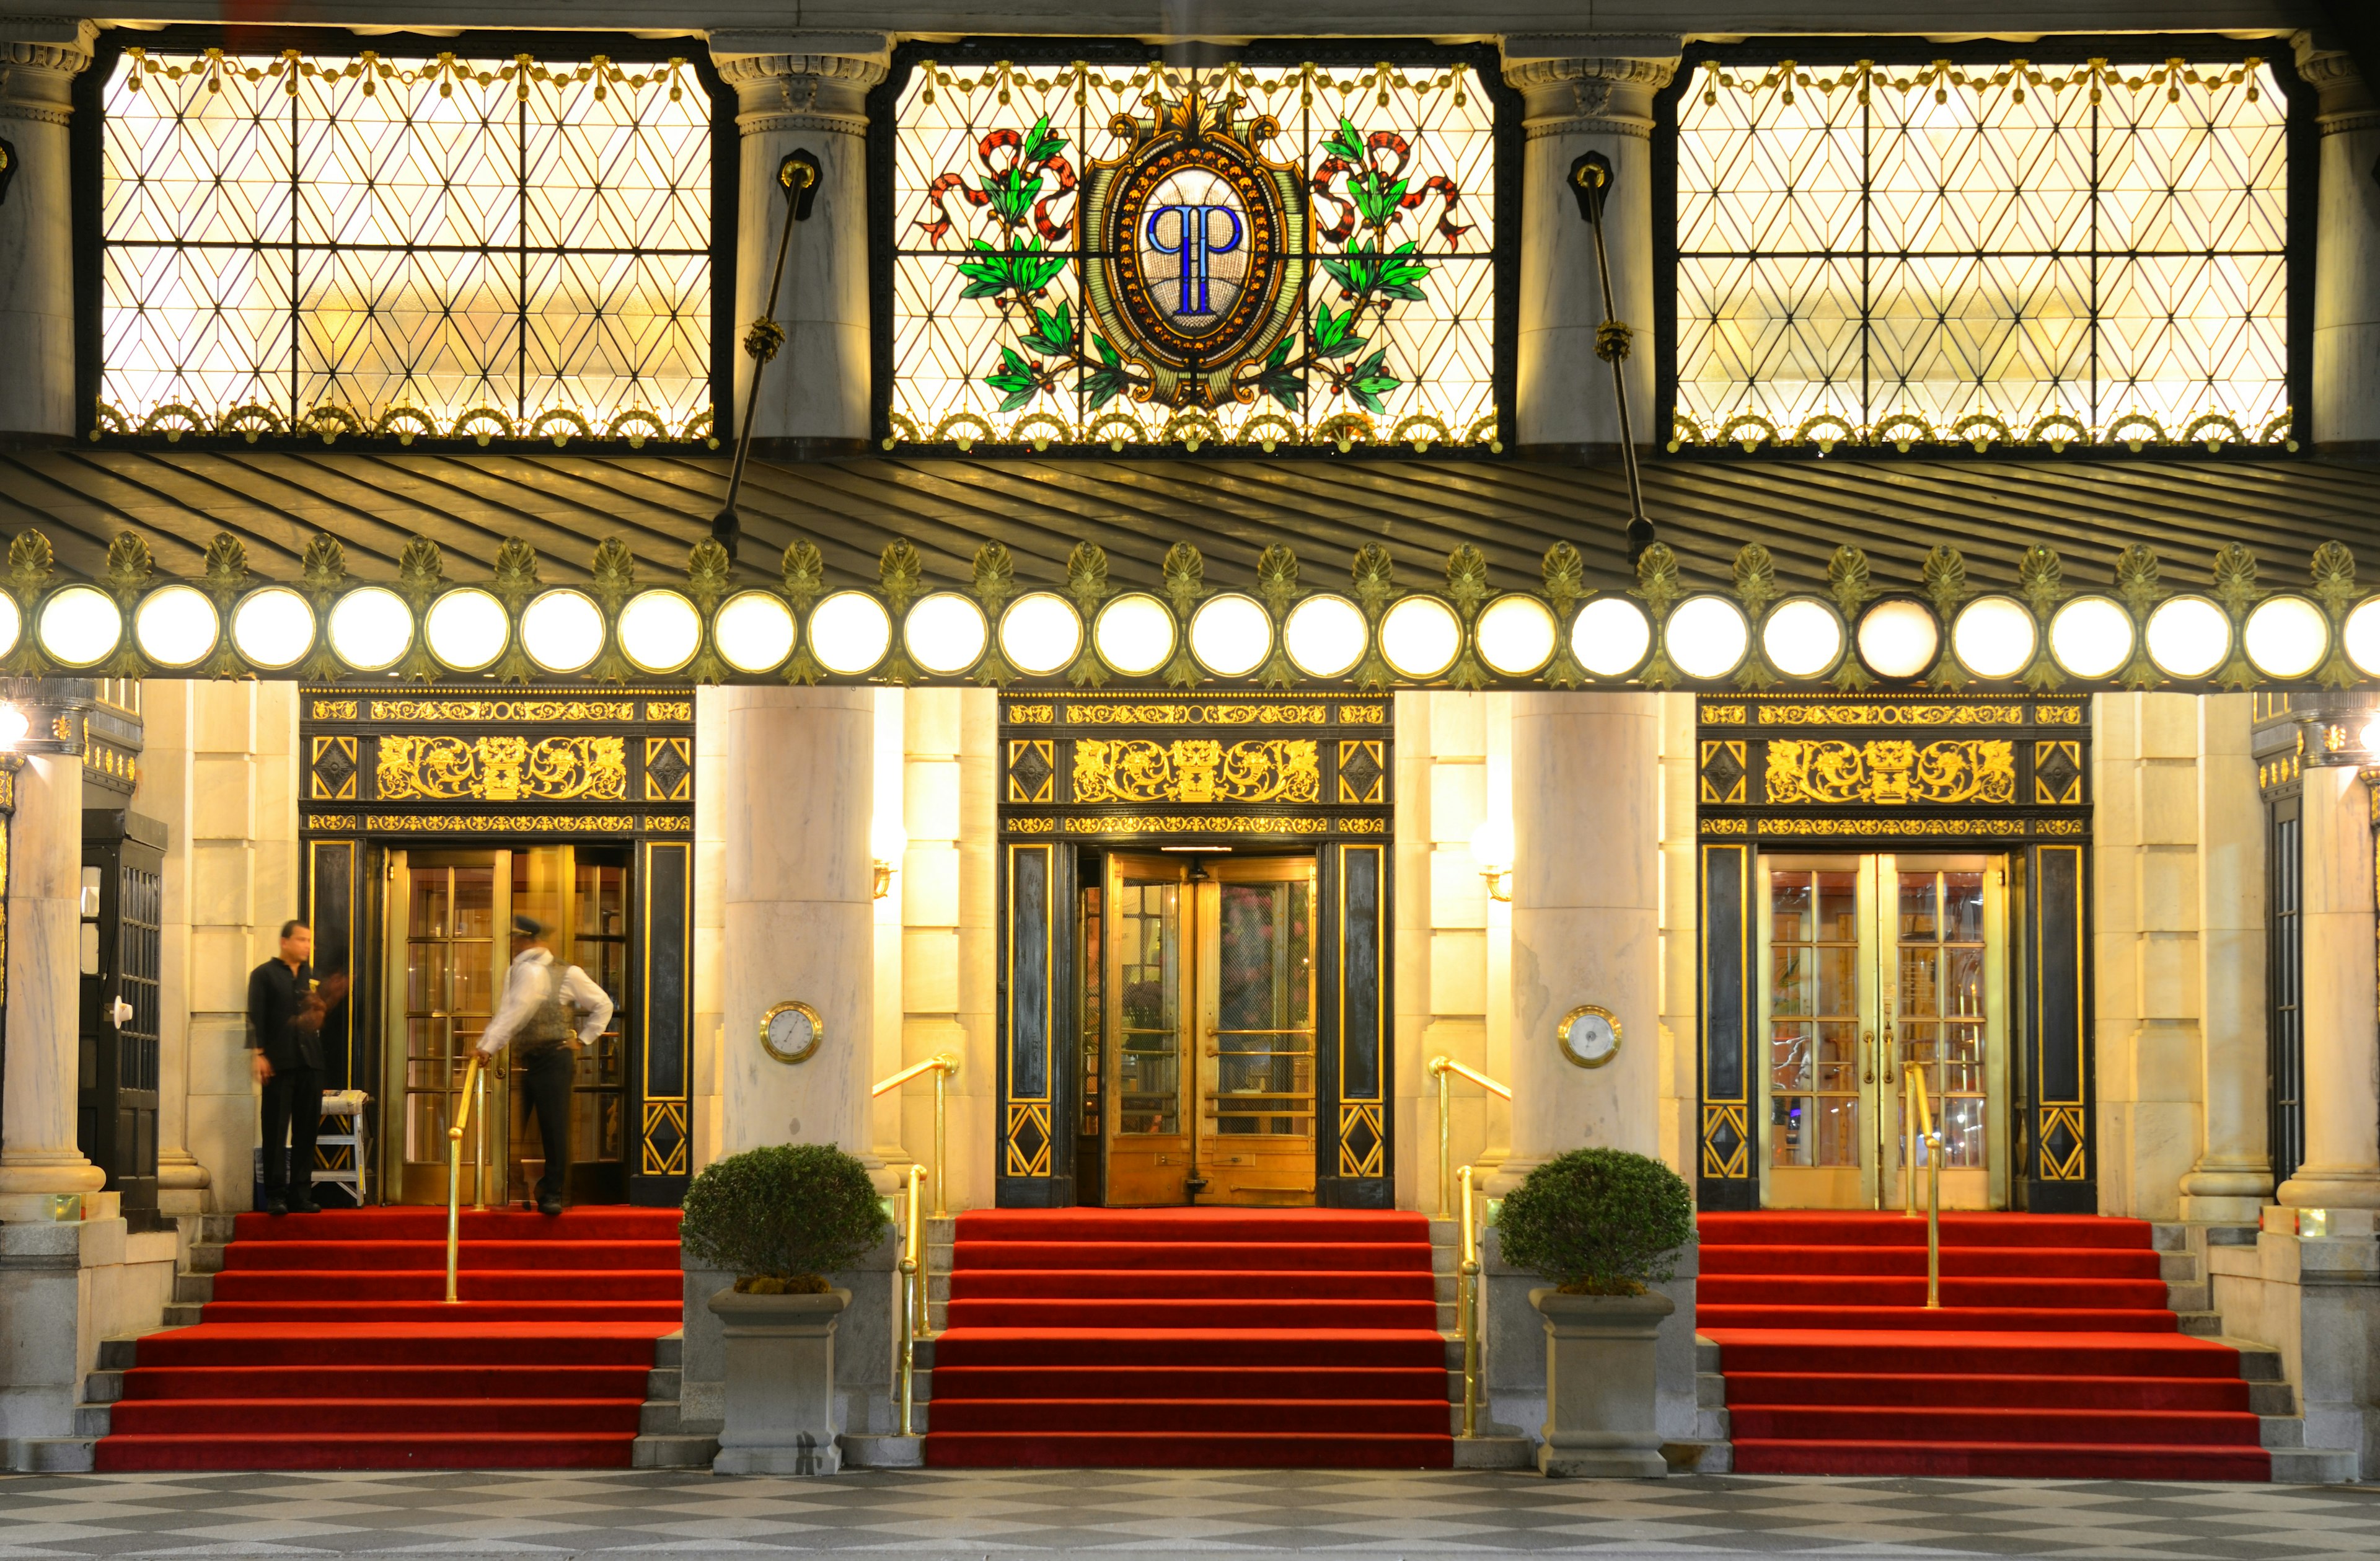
<point x="273" y="628"/>
<point x="2189" y="637"/>
<point x="1706" y="637"/>
<point x="1420" y="637"/>
<point x="2370" y="736"/>
<point x="1801" y="637"/>
<point x="2091" y="637"/>
<point x="1898" y="638"/>
<point x="755" y="632"/>
<point x="2285" y="637"/>
<point x="1610" y="636"/>
<point x="562" y="630"/>
<point x="80" y="627"/>
<point x="1994" y="636"/>
<point x="850" y="632"/>
<point x="1040" y="632"/>
<point x="1230" y="635"/>
<point x="371" y="629"/>
<point x="1517" y="635"/>
<point x="946" y="633"/>
<point x="466" y="629"/>
<point x="15" y="725"/>
<point x="1133" y="633"/>
<point x="1324" y="636"/>
<point x="660" y="630"/>
<point x="1491" y="848"/>
<point x="174" y="625"/>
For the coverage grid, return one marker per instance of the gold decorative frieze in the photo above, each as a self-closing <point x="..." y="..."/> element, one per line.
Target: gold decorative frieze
<point x="334" y="709"/>
<point x="1138" y="712"/>
<point x="1726" y="826"/>
<point x="1031" y="826"/>
<point x="1197" y="824"/>
<point x="1721" y="715"/>
<point x="1196" y="770"/>
<point x="502" y="769"/>
<point x="2057" y="714"/>
<point x="486" y="824"/>
<point x="1899" y="826"/>
<point x="668" y="824"/>
<point x="1363" y="826"/>
<point x="2058" y="827"/>
<point x="1891" y="773"/>
<point x="1888" y="714"/>
<point x="669" y="710"/>
<point x="1029" y="714"/>
<point x="1363" y="714"/>
<point x="501" y="710"/>
<point x="329" y="823"/>
<point x="332" y="770"/>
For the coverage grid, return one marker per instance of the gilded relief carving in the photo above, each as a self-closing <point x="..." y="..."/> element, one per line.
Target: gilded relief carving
<point x="1362" y="776"/>
<point x="333" y="771"/>
<point x="1891" y="773"/>
<point x="1196" y="770"/>
<point x="502" y="769"/>
<point x="1891" y="715"/>
<point x="501" y="710"/>
<point x="1032" y="768"/>
<point x="486" y="824"/>
<point x="1136" y="714"/>
<point x="1194" y="823"/>
<point x="669" y="768"/>
<point x="1723" y="772"/>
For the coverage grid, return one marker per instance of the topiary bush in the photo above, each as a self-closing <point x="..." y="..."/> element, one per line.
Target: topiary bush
<point x="1598" y="1221"/>
<point x="781" y="1217"/>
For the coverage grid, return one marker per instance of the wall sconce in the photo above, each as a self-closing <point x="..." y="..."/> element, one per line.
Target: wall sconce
<point x="15" y="726"/>
<point x="1491" y="848"/>
<point x="886" y="843"/>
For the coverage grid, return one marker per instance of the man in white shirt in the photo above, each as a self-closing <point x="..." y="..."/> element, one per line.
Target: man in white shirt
<point x="538" y="1001"/>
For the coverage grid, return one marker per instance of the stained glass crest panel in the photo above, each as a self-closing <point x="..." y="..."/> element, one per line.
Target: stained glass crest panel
<point x="2043" y="254"/>
<point x="1135" y="255"/>
<point x="405" y="246"/>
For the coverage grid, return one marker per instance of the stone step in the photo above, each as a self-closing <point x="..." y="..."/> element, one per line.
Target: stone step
<point x="2178" y="1268"/>
<point x="2313" y="1466"/>
<point x="2258" y="1362"/>
<point x="2200" y="1324"/>
<point x="2272" y="1398"/>
<point x="674" y="1452"/>
<point x="2194" y="1297"/>
<point x="669" y="1350"/>
<point x="55" y="1455"/>
<point x="659" y="1417"/>
<point x="1485" y="1451"/>
<point x="2280" y="1431"/>
<point x="664" y="1381"/>
<point x="1699" y="1455"/>
<point x="191" y="1287"/>
<point x="183" y="1315"/>
<point x="92" y="1420"/>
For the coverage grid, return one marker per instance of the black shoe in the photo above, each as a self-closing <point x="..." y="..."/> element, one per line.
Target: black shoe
<point x="549" y="1205"/>
<point x="275" y="1204"/>
<point x="307" y="1207"/>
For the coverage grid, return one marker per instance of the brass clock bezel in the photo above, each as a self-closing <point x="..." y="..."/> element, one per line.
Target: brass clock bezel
<point x="789" y="1006"/>
<point x="1562" y="1035"/>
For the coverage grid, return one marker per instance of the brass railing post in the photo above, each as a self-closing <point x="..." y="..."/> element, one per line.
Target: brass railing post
<point x="1909" y="1087"/>
<point x="942" y="1067"/>
<point x="913" y="1301"/>
<point x="1445" y="1140"/>
<point x="1466" y="1308"/>
<point x="454" y="1174"/>
<point x="1922" y="1131"/>
<point x="480" y="1177"/>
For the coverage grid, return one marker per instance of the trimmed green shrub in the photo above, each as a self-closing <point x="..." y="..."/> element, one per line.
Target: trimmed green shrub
<point x="1598" y="1221"/>
<point x="779" y="1218"/>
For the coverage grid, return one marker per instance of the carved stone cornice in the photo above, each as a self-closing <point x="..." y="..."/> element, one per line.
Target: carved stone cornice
<point x="801" y="80"/>
<point x="1587" y="93"/>
<point x="40" y="57"/>
<point x="2343" y="98"/>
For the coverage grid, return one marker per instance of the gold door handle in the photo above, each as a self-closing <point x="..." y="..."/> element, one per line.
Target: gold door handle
<point x="1889" y="1050"/>
<point x="1867" y="1041"/>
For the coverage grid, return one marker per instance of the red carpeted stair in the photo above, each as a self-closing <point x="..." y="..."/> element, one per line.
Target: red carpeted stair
<point x="328" y="1345"/>
<point x="1229" y="1338"/>
<point x="2052" y="1353"/>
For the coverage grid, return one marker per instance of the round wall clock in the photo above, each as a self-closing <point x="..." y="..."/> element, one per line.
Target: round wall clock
<point x="790" y="1031"/>
<point x="1589" y="1035"/>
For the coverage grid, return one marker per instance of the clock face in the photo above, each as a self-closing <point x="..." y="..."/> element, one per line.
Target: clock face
<point x="1589" y="1036"/>
<point x="789" y="1031"/>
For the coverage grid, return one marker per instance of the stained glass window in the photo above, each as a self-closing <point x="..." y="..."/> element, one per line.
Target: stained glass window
<point x="435" y="246"/>
<point x="1114" y="255"/>
<point x="2042" y="254"/>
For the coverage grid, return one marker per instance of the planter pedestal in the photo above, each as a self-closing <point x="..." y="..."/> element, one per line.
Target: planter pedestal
<point x="1600" y="1383"/>
<point x="780" y="1384"/>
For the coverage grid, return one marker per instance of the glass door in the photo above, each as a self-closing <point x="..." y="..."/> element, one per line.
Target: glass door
<point x="1873" y="965"/>
<point x="1256" y="1073"/>
<point x="1150" y="1008"/>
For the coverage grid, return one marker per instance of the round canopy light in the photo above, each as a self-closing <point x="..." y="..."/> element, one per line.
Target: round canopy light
<point x="754" y="631"/>
<point x="2286" y="636"/>
<point x="2187" y="636"/>
<point x="562" y="630"/>
<point x="660" y="630"/>
<point x="2091" y="637"/>
<point x="273" y="628"/>
<point x="1135" y="634"/>
<point x="850" y="632"/>
<point x="466" y="629"/>
<point x="1803" y="636"/>
<point x="1898" y="638"/>
<point x="1040" y="632"/>
<point x="175" y="626"/>
<point x="79" y="626"/>
<point x="946" y="633"/>
<point x="1230" y="635"/>
<point x="12" y="623"/>
<point x="1610" y="636"/>
<point x="1706" y="637"/>
<point x="371" y="629"/>
<point x="1421" y="637"/>
<point x="1994" y="636"/>
<point x="1324" y="636"/>
<point x="1516" y="635"/>
<point x="2360" y="637"/>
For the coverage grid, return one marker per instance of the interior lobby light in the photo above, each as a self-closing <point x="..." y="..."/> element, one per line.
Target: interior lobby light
<point x="466" y="629"/>
<point x="79" y="626"/>
<point x="886" y="843"/>
<point x="945" y="633"/>
<point x="371" y="629"/>
<point x="1039" y="633"/>
<point x="12" y="623"/>
<point x="1706" y="637"/>
<point x="660" y="630"/>
<point x="1324" y="636"/>
<point x="1516" y="635"/>
<point x="174" y="626"/>
<point x="1994" y="636"/>
<point x="2359" y="637"/>
<point x="562" y="630"/>
<point x="850" y="632"/>
<point x="754" y="631"/>
<point x="2189" y="637"/>
<point x="1491" y="848"/>
<point x="2286" y="636"/>
<point x="13" y="725"/>
<point x="2370" y="736"/>
<point x="1610" y="636"/>
<point x="1135" y="634"/>
<point x="273" y="628"/>
<point x="1421" y="637"/>
<point x="2091" y="637"/>
<point x="1898" y="638"/>
<point x="1230" y="635"/>
<point x="1803" y="636"/>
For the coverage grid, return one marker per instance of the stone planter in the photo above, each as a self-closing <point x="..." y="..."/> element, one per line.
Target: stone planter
<point x="780" y="1398"/>
<point x="1600" y="1383"/>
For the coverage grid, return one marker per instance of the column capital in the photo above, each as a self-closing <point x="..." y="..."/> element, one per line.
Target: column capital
<point x="2343" y="98"/>
<point x="1588" y="82"/>
<point x="789" y="80"/>
<point x="40" y="57"/>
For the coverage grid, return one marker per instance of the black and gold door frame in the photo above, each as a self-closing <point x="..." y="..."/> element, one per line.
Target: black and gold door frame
<point x="2008" y="775"/>
<point x="387" y="770"/>
<point x="1085" y="773"/>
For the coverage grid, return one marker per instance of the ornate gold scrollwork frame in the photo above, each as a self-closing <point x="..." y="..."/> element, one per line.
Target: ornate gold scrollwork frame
<point x="777" y="1011"/>
<point x="1571" y="1034"/>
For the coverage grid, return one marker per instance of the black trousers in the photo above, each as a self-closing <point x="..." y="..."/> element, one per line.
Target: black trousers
<point x="293" y="1115"/>
<point x="546" y="1079"/>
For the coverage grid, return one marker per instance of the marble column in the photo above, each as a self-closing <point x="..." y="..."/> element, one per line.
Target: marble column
<point x="1585" y="92"/>
<point x="38" y="1154"/>
<point x="806" y="91"/>
<point x="2341" y="1169"/>
<point x="2346" y="254"/>
<point x="2234" y="1175"/>
<point x="39" y="59"/>
<point x="798" y="914"/>
<point x="1585" y="922"/>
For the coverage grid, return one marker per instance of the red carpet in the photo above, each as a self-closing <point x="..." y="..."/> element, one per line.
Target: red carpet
<point x="328" y="1345"/>
<point x="1178" y="1338"/>
<point x="2052" y="1355"/>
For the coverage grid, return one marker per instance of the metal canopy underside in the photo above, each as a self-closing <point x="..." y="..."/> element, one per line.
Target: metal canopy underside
<point x="1991" y="510"/>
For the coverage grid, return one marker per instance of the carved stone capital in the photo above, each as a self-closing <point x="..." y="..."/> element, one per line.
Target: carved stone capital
<point x="1587" y="83"/>
<point x="2343" y="98"/>
<point x="40" y="57"/>
<point x="801" y="80"/>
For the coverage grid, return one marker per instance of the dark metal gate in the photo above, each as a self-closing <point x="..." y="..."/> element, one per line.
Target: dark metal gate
<point x="122" y="913"/>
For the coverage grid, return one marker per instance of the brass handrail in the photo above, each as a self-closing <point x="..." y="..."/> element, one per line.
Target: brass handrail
<point x="1440" y="1066"/>
<point x="1466" y="1311"/>
<point x="454" y="1174"/>
<point x="942" y="1067"/>
<point x="912" y="1302"/>
<point x="1920" y="1129"/>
